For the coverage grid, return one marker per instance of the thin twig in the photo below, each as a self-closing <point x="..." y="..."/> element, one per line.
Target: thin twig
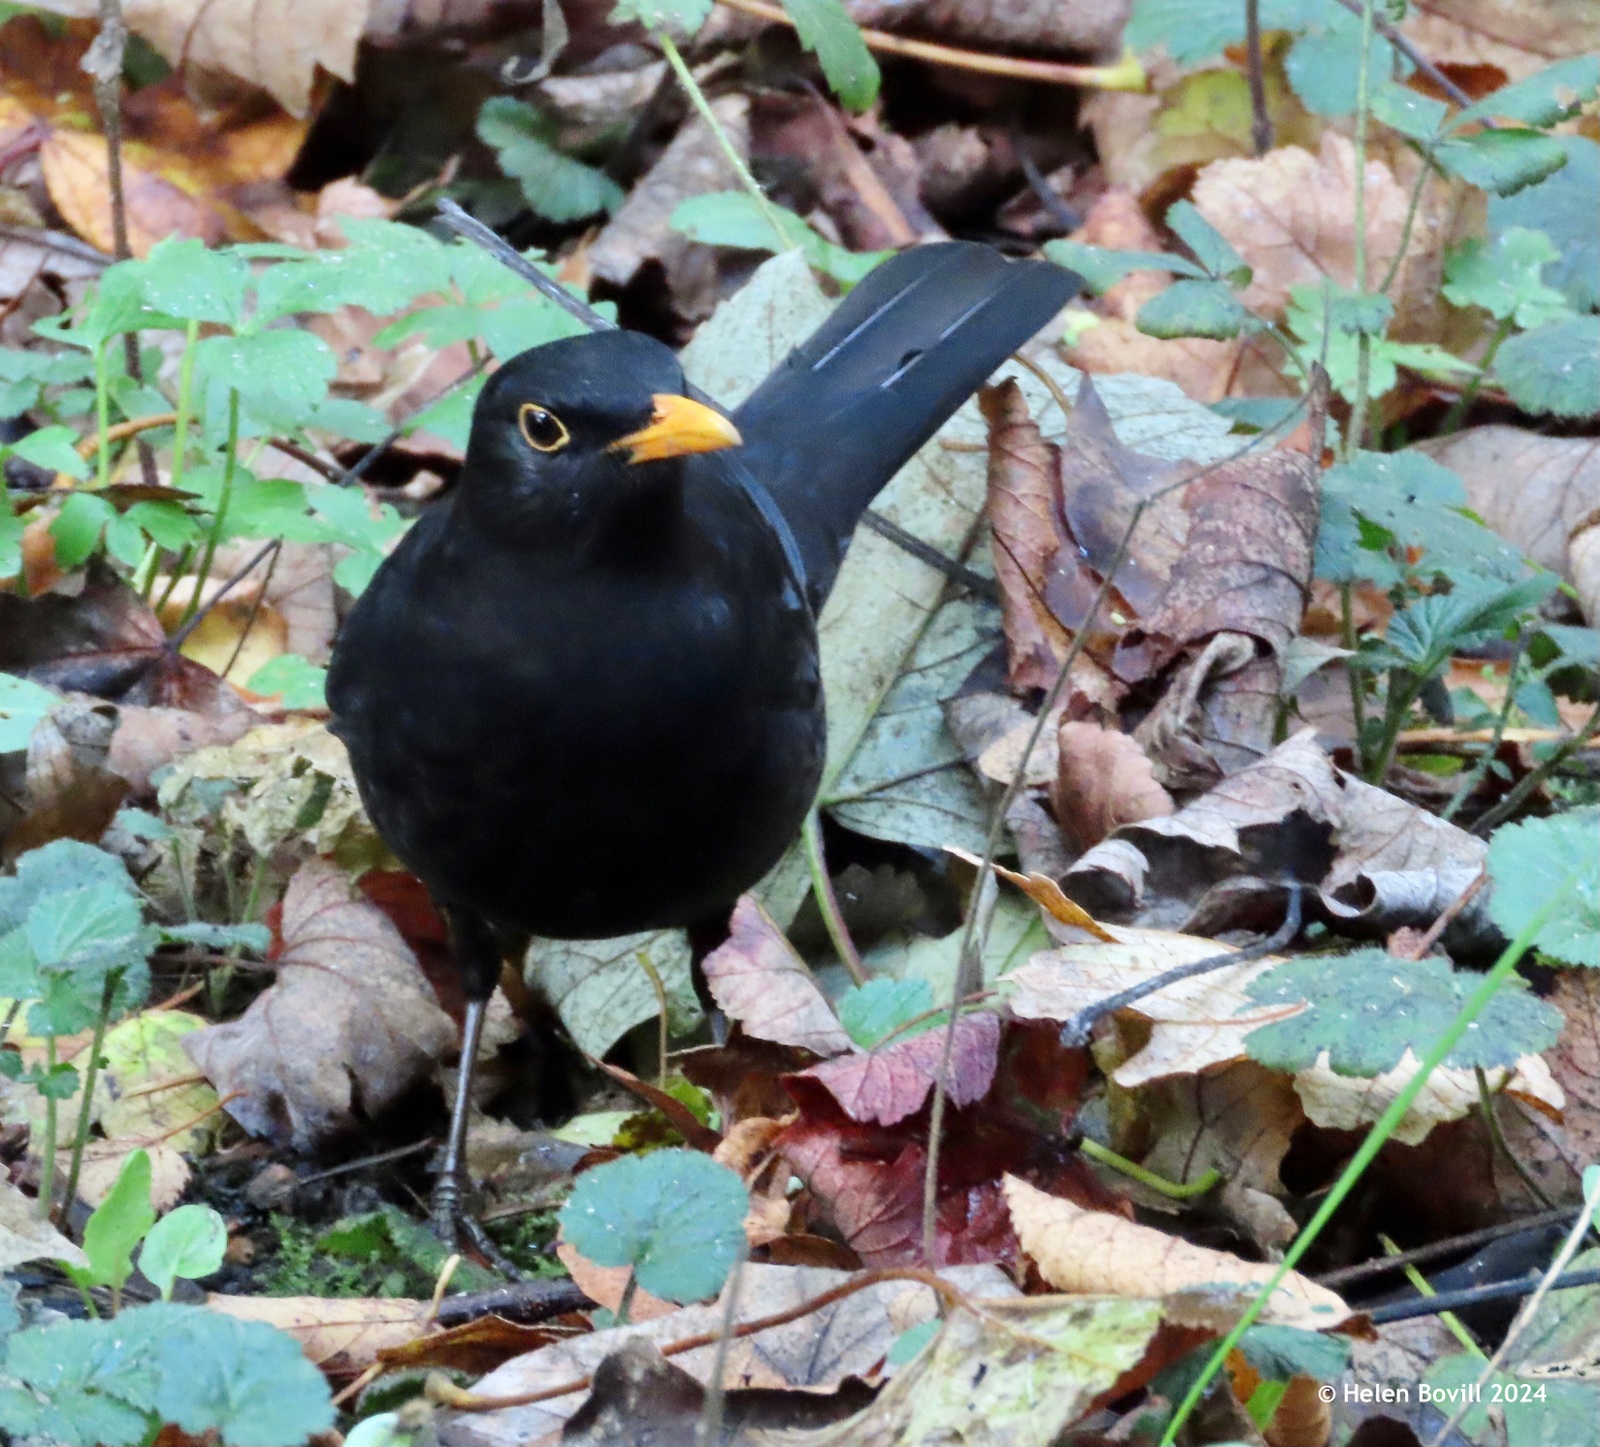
<point x="1411" y="53"/>
<point x="1447" y="916"/>
<point x="509" y="257"/>
<point x="1473" y="1296"/>
<point x="1260" y="120"/>
<point x="1076" y="1030"/>
<point x="1536" y="776"/>
<point x="103" y="61"/>
<point x="256" y="605"/>
<point x="1126" y="74"/>
<point x="1421" y="1255"/>
<point x="828" y="900"/>
<point x="708" y="1432"/>
<point x="179" y="638"/>
<point x="452" y="1396"/>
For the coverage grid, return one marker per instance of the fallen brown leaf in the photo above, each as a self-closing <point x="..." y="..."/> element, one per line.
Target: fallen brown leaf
<point x="758" y="979"/>
<point x="1290" y="215"/>
<point x="1094" y="1252"/>
<point x="342" y="1336"/>
<point x="692" y="165"/>
<point x="350" y="1023"/>
<point x="1540" y="493"/>
<point x="1104" y="780"/>
<point x="1093" y="27"/>
<point x="1516" y="38"/>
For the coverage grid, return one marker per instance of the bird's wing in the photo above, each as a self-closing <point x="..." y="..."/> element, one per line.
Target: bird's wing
<point x="845" y="410"/>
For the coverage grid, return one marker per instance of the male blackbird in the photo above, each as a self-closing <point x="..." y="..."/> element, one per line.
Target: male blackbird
<point x="582" y="698"/>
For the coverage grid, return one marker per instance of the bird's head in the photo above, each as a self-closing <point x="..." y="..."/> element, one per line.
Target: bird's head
<point x="566" y="427"/>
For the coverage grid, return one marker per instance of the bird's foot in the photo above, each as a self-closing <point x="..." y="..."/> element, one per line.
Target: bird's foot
<point x="457" y="1226"/>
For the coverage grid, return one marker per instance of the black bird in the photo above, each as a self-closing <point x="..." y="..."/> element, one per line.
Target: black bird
<point x="582" y="697"/>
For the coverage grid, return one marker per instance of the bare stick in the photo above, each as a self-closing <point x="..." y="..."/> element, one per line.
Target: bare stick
<point x="1260" y="121"/>
<point x="1126" y="74"/>
<point x="510" y="258"/>
<point x="1411" y="53"/>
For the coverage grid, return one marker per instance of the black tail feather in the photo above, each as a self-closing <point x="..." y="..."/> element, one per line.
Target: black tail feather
<point x="846" y="409"/>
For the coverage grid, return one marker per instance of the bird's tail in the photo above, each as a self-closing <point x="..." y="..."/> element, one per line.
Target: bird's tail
<point x="846" y="409"/>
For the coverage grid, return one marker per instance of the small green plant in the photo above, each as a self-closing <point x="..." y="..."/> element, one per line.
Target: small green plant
<point x="115" y="1382"/>
<point x="74" y="942"/>
<point x="674" y="1217"/>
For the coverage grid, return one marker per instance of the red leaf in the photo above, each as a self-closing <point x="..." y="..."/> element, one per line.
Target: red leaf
<point x="888" y="1084"/>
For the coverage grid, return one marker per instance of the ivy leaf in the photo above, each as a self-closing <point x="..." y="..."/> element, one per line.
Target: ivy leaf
<point x="1367" y="1009"/>
<point x="1505" y="277"/>
<point x="1546" y="98"/>
<point x="825" y="27"/>
<point x="1502" y="162"/>
<point x="22" y="704"/>
<point x="554" y="185"/>
<point x="1554" y="368"/>
<point x="1102" y="268"/>
<point x="872" y="1011"/>
<point x="676" y="1217"/>
<point x="733" y="218"/>
<point x="1212" y="249"/>
<point x="1529" y="860"/>
<point x="1193" y="309"/>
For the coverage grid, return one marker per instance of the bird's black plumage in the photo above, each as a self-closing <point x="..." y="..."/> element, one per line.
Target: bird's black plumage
<point x="582" y="697"/>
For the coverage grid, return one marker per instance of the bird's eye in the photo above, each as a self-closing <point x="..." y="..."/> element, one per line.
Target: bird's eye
<point x="544" y="430"/>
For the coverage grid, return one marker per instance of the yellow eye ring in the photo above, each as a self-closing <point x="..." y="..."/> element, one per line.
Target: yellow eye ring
<point x="542" y="429"/>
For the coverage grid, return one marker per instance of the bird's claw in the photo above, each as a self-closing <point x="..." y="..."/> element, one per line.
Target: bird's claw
<point x="456" y="1226"/>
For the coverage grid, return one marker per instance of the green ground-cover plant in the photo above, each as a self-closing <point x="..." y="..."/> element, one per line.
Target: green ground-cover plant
<point x="75" y="947"/>
<point x="115" y="1381"/>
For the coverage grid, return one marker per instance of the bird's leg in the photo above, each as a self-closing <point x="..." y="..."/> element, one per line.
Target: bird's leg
<point x="477" y="954"/>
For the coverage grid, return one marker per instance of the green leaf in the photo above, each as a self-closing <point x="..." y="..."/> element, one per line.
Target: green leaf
<point x="1315" y="307"/>
<point x="97" y="923"/>
<point x="733" y="218"/>
<point x="118" y="1225"/>
<point x="193" y="282"/>
<point x="76" y="529"/>
<point x="11" y="527"/>
<point x="1419" y="503"/>
<point x="167" y="523"/>
<point x="825" y="27"/>
<point x="1361" y="314"/>
<point x="1193" y="309"/>
<point x="1554" y="368"/>
<point x="82" y="1383"/>
<point x="1529" y="1411"/>
<point x="386" y="266"/>
<point x="682" y="17"/>
<point x="1505" y="277"/>
<point x="1424" y="634"/>
<point x="1544" y="99"/>
<point x="676" y="1217"/>
<point x="1212" y="249"/>
<point x="22" y="704"/>
<point x="296" y="682"/>
<point x="280" y="374"/>
<point x="1530" y="861"/>
<point x="189" y="1242"/>
<point x="872" y="1011"/>
<point x="1562" y="207"/>
<point x="1408" y="111"/>
<point x="1323" y="64"/>
<point x="525" y="321"/>
<point x="1367" y="1009"/>
<point x="1504" y="161"/>
<point x="1278" y="1353"/>
<point x="1102" y="268"/>
<point x="54" y="448"/>
<point x="554" y="185"/>
<point x="450" y="417"/>
<point x="245" y="1380"/>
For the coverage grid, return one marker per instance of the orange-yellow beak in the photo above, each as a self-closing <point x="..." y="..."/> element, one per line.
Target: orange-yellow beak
<point x="678" y="426"/>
